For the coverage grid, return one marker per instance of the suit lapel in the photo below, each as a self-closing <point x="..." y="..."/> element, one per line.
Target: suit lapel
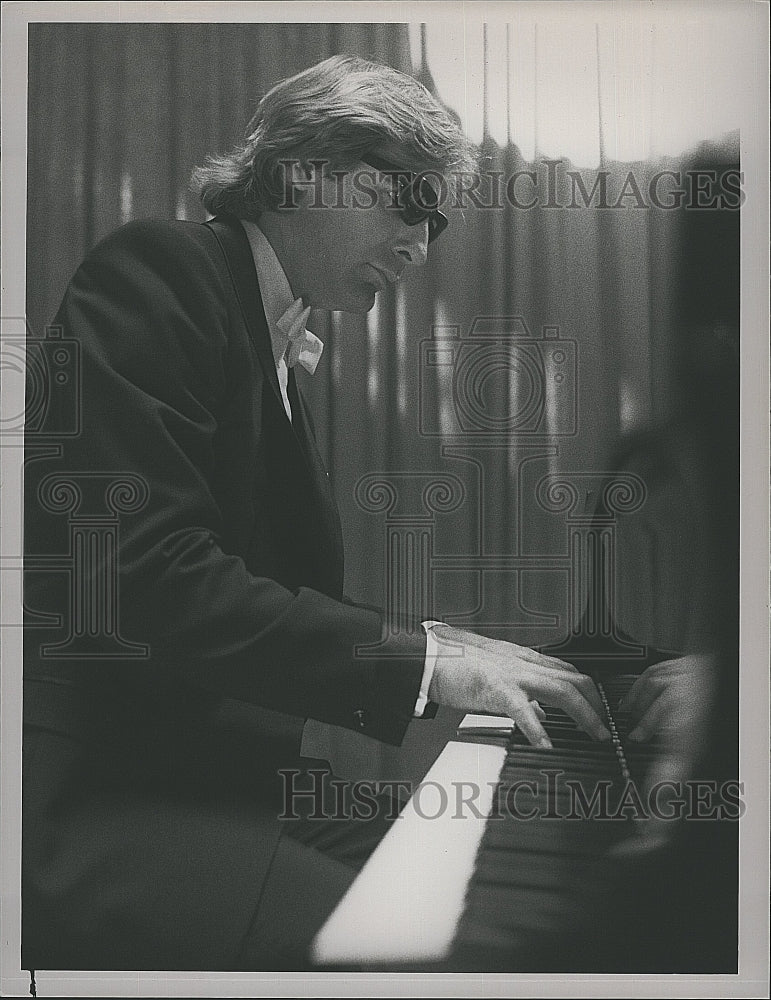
<point x="238" y="255"/>
<point x="333" y="567"/>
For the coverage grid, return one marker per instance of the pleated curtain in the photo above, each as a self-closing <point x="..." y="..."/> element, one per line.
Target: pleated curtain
<point x="119" y="114"/>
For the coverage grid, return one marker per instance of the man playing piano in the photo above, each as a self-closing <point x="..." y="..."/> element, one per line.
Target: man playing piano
<point x="151" y="796"/>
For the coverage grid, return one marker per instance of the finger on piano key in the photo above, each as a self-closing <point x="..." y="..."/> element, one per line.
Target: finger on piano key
<point x="582" y="681"/>
<point x="582" y="702"/>
<point x="527" y="720"/>
<point x="478" y="722"/>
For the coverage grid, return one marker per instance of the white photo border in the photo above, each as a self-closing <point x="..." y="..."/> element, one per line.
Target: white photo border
<point x="752" y="980"/>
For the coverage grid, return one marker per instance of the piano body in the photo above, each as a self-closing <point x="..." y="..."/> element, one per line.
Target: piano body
<point x="476" y="877"/>
<point x="501" y="863"/>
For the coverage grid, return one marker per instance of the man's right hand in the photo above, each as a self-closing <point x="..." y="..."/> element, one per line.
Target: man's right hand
<point x="476" y="673"/>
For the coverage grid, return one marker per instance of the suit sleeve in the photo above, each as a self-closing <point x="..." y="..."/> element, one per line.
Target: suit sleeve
<point x="149" y="308"/>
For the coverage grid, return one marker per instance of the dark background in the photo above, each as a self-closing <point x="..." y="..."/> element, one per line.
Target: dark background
<point x="119" y="114"/>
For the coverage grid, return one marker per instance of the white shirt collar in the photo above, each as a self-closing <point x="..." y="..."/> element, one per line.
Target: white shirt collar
<point x="281" y="307"/>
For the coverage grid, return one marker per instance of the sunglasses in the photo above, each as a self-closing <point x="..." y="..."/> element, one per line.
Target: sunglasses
<point x="413" y="195"/>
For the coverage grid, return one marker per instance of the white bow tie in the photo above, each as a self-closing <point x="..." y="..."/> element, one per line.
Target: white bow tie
<point x="303" y="347"/>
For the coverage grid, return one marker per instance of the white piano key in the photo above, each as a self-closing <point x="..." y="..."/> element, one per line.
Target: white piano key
<point x="407" y="901"/>
<point x="472" y="721"/>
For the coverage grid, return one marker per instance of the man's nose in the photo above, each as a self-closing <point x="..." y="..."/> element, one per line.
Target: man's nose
<point x="413" y="244"/>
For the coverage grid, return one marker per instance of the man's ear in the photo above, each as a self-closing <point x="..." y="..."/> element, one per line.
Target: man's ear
<point x="302" y="182"/>
<point x="303" y="171"/>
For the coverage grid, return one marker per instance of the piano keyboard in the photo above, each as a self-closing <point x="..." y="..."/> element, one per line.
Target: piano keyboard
<point x="406" y="904"/>
<point x="546" y="891"/>
<point x="503" y="893"/>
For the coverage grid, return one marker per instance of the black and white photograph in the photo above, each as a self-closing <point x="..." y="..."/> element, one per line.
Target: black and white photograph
<point x="384" y="550"/>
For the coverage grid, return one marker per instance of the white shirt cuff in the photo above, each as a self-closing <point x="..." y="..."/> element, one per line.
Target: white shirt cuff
<point x="432" y="648"/>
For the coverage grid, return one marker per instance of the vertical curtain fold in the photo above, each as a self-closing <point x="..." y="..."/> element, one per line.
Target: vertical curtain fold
<point x="118" y="116"/>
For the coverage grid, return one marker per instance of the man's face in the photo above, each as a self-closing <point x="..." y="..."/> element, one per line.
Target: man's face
<point x="355" y="241"/>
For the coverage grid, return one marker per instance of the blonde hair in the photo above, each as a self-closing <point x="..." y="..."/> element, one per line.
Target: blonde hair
<point x="335" y="111"/>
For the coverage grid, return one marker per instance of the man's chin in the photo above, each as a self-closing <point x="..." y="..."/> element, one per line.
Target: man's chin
<point x="357" y="299"/>
<point x="365" y="301"/>
<point x="358" y="306"/>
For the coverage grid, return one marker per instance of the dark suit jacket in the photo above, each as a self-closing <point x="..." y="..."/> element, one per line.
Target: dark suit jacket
<point x="150" y="784"/>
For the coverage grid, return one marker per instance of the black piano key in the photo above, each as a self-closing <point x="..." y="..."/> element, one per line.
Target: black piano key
<point x="530" y="869"/>
<point x="549" y="894"/>
<point x="574" y="838"/>
<point x="534" y="909"/>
